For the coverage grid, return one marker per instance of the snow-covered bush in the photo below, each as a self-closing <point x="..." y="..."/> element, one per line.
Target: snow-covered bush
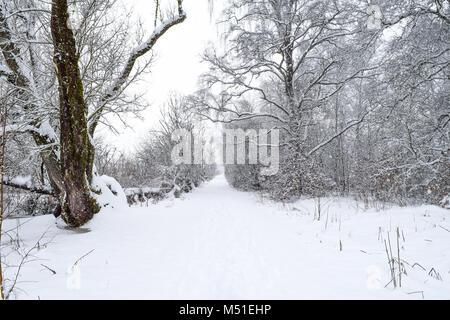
<point x="148" y="174"/>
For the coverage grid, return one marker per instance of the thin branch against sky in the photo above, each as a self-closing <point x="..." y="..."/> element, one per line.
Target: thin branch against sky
<point x="176" y="68"/>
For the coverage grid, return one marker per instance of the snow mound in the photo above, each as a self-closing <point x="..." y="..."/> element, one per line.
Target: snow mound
<point x="111" y="192"/>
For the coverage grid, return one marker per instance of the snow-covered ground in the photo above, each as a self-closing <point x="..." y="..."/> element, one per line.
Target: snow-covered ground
<point x="219" y="243"/>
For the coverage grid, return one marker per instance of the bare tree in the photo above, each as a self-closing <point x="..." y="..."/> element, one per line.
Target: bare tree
<point x="2" y="161"/>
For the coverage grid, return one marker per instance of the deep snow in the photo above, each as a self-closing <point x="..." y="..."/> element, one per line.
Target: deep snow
<point x="220" y="243"/>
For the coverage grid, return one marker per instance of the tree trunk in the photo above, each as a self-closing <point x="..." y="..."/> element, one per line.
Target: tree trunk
<point x="79" y="206"/>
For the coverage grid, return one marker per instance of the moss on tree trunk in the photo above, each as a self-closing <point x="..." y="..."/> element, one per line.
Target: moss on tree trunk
<point x="76" y="151"/>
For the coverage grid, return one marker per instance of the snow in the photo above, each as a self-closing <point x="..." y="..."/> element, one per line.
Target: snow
<point x="112" y="195"/>
<point x="46" y="130"/>
<point x="445" y="202"/>
<point x="220" y="243"/>
<point x="132" y="191"/>
<point x="4" y="69"/>
<point x="25" y="181"/>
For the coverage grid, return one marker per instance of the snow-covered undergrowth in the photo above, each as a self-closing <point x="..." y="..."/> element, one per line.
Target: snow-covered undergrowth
<point x="219" y="243"/>
<point x="112" y="195"/>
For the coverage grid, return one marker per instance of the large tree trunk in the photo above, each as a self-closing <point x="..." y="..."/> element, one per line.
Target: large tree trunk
<point x="79" y="206"/>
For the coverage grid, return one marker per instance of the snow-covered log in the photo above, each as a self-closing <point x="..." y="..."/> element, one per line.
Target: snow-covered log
<point x="143" y="195"/>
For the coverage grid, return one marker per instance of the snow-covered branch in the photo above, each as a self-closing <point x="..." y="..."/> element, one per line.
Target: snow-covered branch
<point x="133" y="57"/>
<point x="25" y="183"/>
<point x="340" y="133"/>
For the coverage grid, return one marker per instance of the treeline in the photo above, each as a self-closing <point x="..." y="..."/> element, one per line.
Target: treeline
<point x="361" y="99"/>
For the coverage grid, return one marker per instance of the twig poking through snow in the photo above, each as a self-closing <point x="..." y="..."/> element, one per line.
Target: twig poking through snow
<point x="49" y="269"/>
<point x="417" y="264"/>
<point x="416" y="292"/>
<point x="433" y="273"/>
<point x="79" y="260"/>
<point x="399" y="261"/>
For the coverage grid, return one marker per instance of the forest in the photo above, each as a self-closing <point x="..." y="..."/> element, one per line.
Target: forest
<point x="352" y="96"/>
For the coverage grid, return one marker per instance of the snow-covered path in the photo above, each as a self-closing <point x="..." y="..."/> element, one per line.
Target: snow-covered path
<point x="219" y="243"/>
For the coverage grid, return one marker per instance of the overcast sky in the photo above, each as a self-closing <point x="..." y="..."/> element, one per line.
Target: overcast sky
<point x="176" y="68"/>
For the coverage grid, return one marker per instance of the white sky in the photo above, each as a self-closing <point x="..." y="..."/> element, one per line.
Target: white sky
<point x="176" y="68"/>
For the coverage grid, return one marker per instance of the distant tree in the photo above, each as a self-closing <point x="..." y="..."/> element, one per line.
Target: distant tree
<point x="360" y="109"/>
<point x="291" y="59"/>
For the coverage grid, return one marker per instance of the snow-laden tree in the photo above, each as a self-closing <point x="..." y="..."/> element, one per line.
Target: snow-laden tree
<point x="69" y="65"/>
<point x="410" y="135"/>
<point x="360" y="108"/>
<point x="290" y="58"/>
